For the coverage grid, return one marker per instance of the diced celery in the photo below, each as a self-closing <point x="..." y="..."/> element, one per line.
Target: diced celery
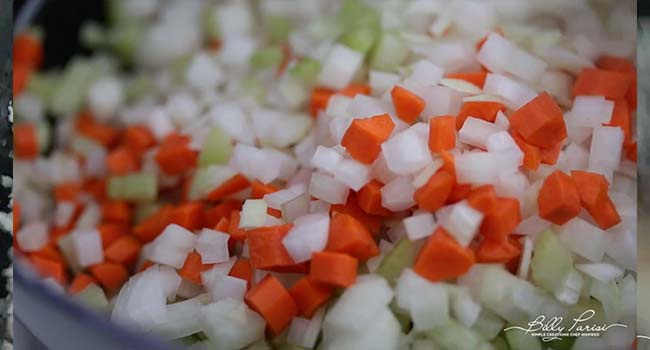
<point x="44" y="85"/>
<point x="306" y="70"/>
<point x="43" y="135"/>
<point x="403" y="318"/>
<point x="138" y="87"/>
<point x="210" y="23"/>
<point x="361" y="39"/>
<point x="83" y="145"/>
<point x="397" y="259"/>
<point x="278" y="28"/>
<point x="551" y="261"/>
<point x="124" y="39"/>
<point x="133" y="187"/>
<point x="179" y="67"/>
<point x="518" y="339"/>
<point x="499" y="343"/>
<point x="208" y="178"/>
<point x="454" y="336"/>
<point x="267" y="57"/>
<point x="71" y="90"/>
<point x="252" y="87"/>
<point x="94" y="297"/>
<point x="115" y="11"/>
<point x="293" y="91"/>
<point x="216" y="148"/>
<point x="361" y="25"/>
<point x="390" y="52"/>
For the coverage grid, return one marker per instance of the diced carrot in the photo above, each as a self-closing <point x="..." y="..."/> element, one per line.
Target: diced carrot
<point x="192" y="268"/>
<point x="258" y="189"/>
<point x="540" y="122"/>
<point x="138" y="138"/>
<point x="22" y="74"/>
<point x="364" y="137"/>
<point x="442" y="258"/>
<point x="558" y="198"/>
<point x="110" y="232"/>
<point x="28" y="49"/>
<point x="319" y="98"/>
<point x="532" y="154"/>
<point x="513" y="264"/>
<point x="408" y="105"/>
<point x="497" y="251"/>
<point x="449" y="164"/>
<point x="622" y="65"/>
<point x="486" y="110"/>
<point x="51" y="252"/>
<point x="25" y="140"/>
<point x="67" y="191"/>
<point x="593" y="191"/>
<point x="80" y="282"/>
<point x="631" y="151"/>
<point x="188" y="215"/>
<point x="266" y="248"/>
<point x="592" y="187"/>
<point x="237" y="234"/>
<point x="500" y="222"/>
<point x="122" y="161"/>
<point x="435" y="192"/>
<point x="110" y="275"/>
<point x="105" y="134"/>
<point x="592" y="81"/>
<point x="233" y="185"/>
<point x="351" y="207"/>
<point x="273" y="302"/>
<point x="458" y="193"/>
<point x="148" y="229"/>
<point x="124" y="250"/>
<point x="355" y="89"/>
<point x="332" y="268"/>
<point x="442" y="133"/>
<point x="242" y="269"/>
<point x="223" y="225"/>
<point x="604" y="213"/>
<point x="96" y="188"/>
<point x="175" y="157"/>
<point x="621" y="118"/>
<point x="369" y="199"/>
<point x="212" y="216"/>
<point x="483" y="199"/>
<point x="49" y="268"/>
<point x="349" y="236"/>
<point x="476" y="78"/>
<point x="117" y="211"/>
<point x="310" y="295"/>
<point x="550" y="155"/>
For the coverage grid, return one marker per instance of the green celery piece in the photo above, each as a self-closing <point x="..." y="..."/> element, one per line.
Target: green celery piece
<point x="133" y="187"/>
<point x="278" y="28"/>
<point x="125" y="38"/>
<point x="138" y="87"/>
<point x="208" y="178"/>
<point x="400" y="257"/>
<point x="361" y="25"/>
<point x="94" y="297"/>
<point x="403" y="318"/>
<point x="44" y="85"/>
<point x="389" y="53"/>
<point x="210" y="23"/>
<point x="551" y="261"/>
<point x="254" y="88"/>
<point x="179" y="67"/>
<point x="115" y="11"/>
<point x="267" y="57"/>
<point x="499" y="343"/>
<point x="71" y="89"/>
<point x="43" y="135"/>
<point x="361" y="39"/>
<point x="455" y="336"/>
<point x="518" y="339"/>
<point x="306" y="70"/>
<point x="216" y="148"/>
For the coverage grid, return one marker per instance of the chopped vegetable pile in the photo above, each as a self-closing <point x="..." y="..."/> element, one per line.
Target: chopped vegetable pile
<point x="341" y="175"/>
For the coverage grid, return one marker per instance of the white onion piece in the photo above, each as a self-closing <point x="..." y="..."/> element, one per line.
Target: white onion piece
<point x="224" y="286"/>
<point x="253" y="214"/>
<point x="380" y="82"/>
<point x="212" y="246"/>
<point x="276" y="199"/>
<point x="603" y="271"/>
<point x="326" y="159"/>
<point x="573" y="157"/>
<point x="514" y="93"/>
<point x="231" y="118"/>
<point x="569" y="289"/>
<point x="532" y="226"/>
<point x="309" y="234"/>
<point x="363" y="106"/>
<point x="465" y="308"/>
<point x="88" y="247"/>
<point x="606" y="148"/>
<point x="502" y="121"/>
<point x="584" y="239"/>
<point x="398" y="194"/>
<point x="203" y="73"/>
<point x="328" y="189"/>
<point x="526" y="255"/>
<point x="222" y="269"/>
<point x="304" y="332"/>
<point x="461" y="85"/>
<point x="338" y="105"/>
<point x="476" y="132"/>
<point x="406" y="153"/>
<point x="500" y="55"/>
<point x="621" y="246"/>
<point x="339" y="67"/>
<point x="33" y="236"/>
<point x="425" y="174"/>
<point x="172" y="246"/>
<point x="477" y="168"/>
<point x="419" y="226"/>
<point x="425" y="72"/>
<point x="230" y="324"/>
<point x="181" y="319"/>
<point x="428" y="303"/>
<point x="351" y="173"/>
<point x="462" y="222"/>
